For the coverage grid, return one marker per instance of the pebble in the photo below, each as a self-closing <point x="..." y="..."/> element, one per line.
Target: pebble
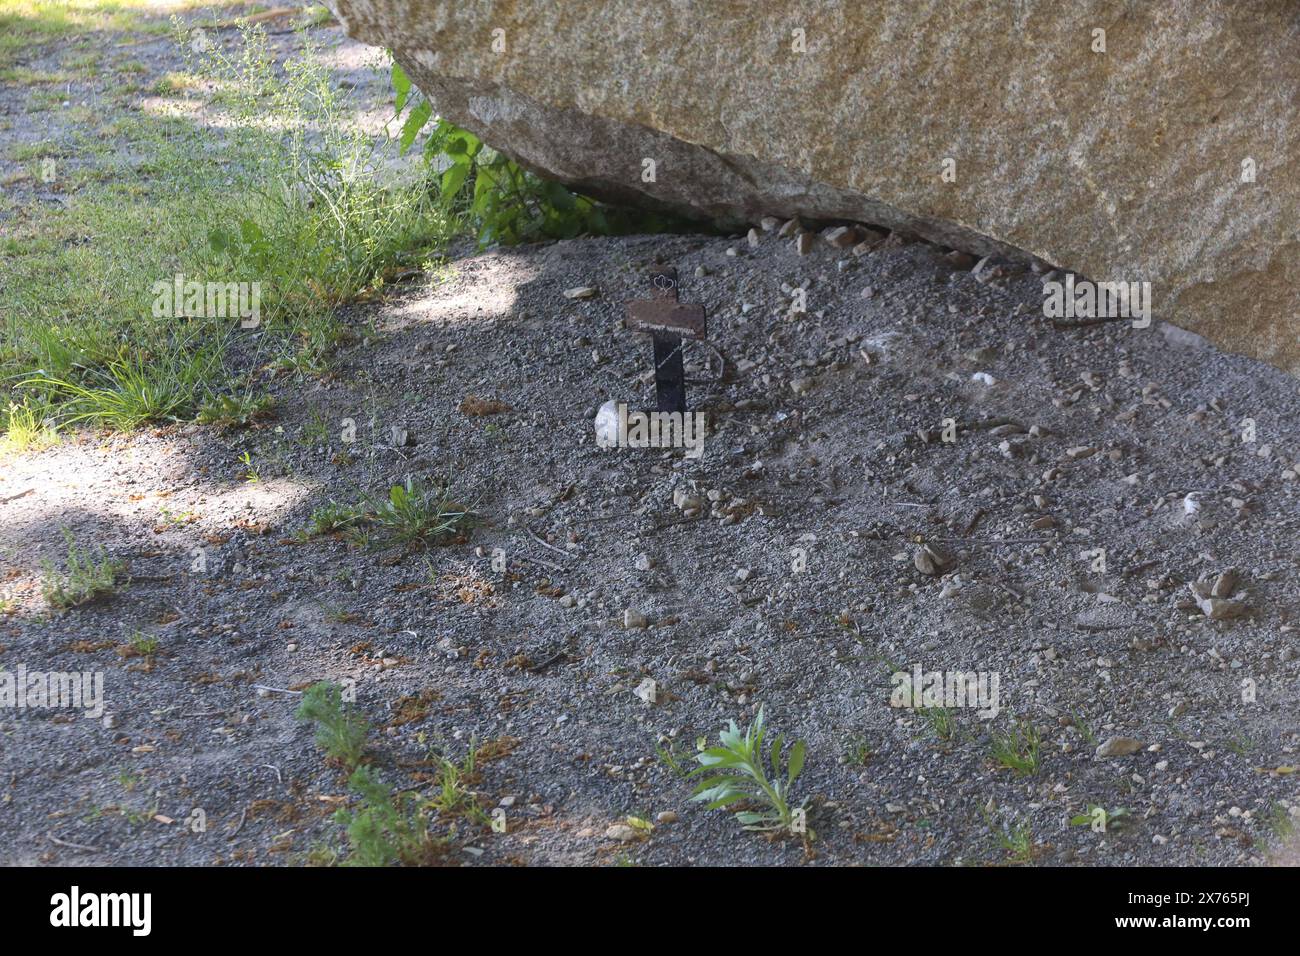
<point x="1225" y="584"/>
<point x="621" y="832"/>
<point x="931" y="560"/>
<point x="753" y="239"/>
<point x="803" y="243"/>
<point x="667" y="816"/>
<point x="633" y="619"/>
<point x="644" y="562"/>
<point x="1119" y="747"/>
<point x="581" y="292"/>
<point x="841" y="237"/>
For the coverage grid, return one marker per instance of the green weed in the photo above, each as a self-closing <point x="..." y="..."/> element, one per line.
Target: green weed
<point x="85" y="578"/>
<point x="340" y="730"/>
<point x="1019" y="749"/>
<point x="735" y="772"/>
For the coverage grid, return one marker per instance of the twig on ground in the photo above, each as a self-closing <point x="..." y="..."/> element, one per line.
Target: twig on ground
<point x="545" y="544"/>
<point x="73" y="846"/>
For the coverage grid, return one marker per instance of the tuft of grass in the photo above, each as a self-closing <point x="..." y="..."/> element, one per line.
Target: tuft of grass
<point x="675" y="762"/>
<point x="735" y="772"/>
<point x="857" y="751"/>
<point x="132" y="390"/>
<point x="454" y="798"/>
<point x="1085" y="731"/>
<point x="144" y="645"/>
<point x="332" y="516"/>
<point x="86" y="577"/>
<point x="411" y="513"/>
<point x="1019" y="749"/>
<point x="1108" y="819"/>
<point x="27" y="426"/>
<point x="942" y="721"/>
<point x="1018" y="840"/>
<point x="340" y="730"/>
<point x="229" y="411"/>
<point x="386" y="827"/>
<point x="1282" y="828"/>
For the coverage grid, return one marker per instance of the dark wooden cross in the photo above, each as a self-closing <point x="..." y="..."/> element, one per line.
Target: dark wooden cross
<point x="668" y="321"/>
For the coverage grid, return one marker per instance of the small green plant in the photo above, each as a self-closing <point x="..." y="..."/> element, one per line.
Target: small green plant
<point x="502" y="201"/>
<point x="1018" y="841"/>
<point x="453" y="797"/>
<point x="26" y="426"/>
<point x="228" y="411"/>
<point x="1241" y="746"/>
<point x="942" y="721"/>
<point x="411" y="512"/>
<point x="1084" y="730"/>
<point x="85" y="578"/>
<point x="340" y="730"/>
<point x="1283" y="829"/>
<point x="144" y="645"/>
<point x="1019" y="749"/>
<point x="1099" y="818"/>
<point x="251" y="474"/>
<point x="332" y="516"/>
<point x="387" y="827"/>
<point x="857" y="751"/>
<point x="675" y="762"/>
<point x="734" y="772"/>
<point x="317" y="431"/>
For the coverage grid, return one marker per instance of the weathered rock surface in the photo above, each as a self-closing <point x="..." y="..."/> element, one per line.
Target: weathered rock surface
<point x="1131" y="164"/>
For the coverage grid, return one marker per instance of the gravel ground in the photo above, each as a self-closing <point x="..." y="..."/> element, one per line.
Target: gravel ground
<point x="796" y="577"/>
<point x="825" y="435"/>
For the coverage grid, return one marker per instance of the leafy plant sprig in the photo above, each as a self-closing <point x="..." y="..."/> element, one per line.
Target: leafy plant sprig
<point x="502" y="201"/>
<point x="340" y="730"/>
<point x="735" y="772"/>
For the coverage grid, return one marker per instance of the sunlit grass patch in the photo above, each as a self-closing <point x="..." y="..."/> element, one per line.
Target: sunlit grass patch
<point x="286" y="193"/>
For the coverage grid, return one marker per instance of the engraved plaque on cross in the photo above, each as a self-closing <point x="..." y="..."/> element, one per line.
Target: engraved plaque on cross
<point x="668" y="321"/>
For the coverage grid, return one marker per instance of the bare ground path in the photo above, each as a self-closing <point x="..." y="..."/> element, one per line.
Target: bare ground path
<point x="445" y="649"/>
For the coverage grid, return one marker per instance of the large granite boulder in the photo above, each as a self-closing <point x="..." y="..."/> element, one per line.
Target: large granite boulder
<point x="1127" y="141"/>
